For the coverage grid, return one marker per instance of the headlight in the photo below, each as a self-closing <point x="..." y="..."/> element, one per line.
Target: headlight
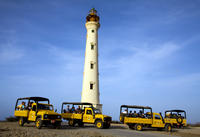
<point x="45" y="116"/>
<point x="59" y="116"/>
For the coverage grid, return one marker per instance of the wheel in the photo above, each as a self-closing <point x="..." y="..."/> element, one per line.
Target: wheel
<point x="21" y="121"/>
<point x="138" y="127"/>
<point x="80" y="124"/>
<point x="71" y="123"/>
<point x="168" y="128"/>
<point x="38" y="123"/>
<point x="179" y="120"/>
<point x="99" y="124"/>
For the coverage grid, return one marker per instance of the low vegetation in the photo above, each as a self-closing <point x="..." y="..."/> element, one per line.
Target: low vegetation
<point x="11" y="119"/>
<point x="196" y="124"/>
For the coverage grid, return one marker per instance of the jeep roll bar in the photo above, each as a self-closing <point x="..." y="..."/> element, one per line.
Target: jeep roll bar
<point x="75" y="103"/>
<point x="136" y="107"/>
<point x="175" y="110"/>
<point x="36" y="99"/>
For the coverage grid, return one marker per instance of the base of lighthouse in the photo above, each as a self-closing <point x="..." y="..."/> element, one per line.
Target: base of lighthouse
<point x="98" y="106"/>
<point x="91" y="98"/>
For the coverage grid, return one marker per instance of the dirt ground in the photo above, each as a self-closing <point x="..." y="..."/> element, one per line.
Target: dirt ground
<point x="11" y="129"/>
<point x="188" y="132"/>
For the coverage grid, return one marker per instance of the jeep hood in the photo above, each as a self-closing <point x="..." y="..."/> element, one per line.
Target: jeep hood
<point x="101" y="115"/>
<point x="48" y="112"/>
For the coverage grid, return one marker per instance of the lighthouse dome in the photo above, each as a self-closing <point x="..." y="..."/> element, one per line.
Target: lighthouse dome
<point x="92" y="16"/>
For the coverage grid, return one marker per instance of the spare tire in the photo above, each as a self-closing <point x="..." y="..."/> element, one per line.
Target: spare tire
<point x="179" y="120"/>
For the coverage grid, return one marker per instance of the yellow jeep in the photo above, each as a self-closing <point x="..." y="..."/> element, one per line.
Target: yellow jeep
<point x="80" y="113"/>
<point x="137" y="117"/>
<point x="177" y="118"/>
<point x="36" y="110"/>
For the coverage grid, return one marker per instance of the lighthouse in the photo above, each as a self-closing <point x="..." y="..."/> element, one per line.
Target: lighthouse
<point x="90" y="89"/>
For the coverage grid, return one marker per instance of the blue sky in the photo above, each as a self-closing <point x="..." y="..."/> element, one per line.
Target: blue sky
<point x="148" y="53"/>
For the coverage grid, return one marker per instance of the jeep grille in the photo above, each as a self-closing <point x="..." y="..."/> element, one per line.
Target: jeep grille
<point x="53" y="117"/>
<point x="107" y="119"/>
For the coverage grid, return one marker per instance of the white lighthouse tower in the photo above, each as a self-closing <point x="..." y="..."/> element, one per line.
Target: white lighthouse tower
<point x="90" y="91"/>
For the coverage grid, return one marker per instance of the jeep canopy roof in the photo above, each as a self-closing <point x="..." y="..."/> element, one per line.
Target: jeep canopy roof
<point x="36" y="99"/>
<point x="175" y="110"/>
<point x="77" y="103"/>
<point x="135" y="106"/>
<point x="74" y="103"/>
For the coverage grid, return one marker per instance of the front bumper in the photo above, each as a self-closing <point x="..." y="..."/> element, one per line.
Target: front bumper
<point x="51" y="122"/>
<point x="107" y="120"/>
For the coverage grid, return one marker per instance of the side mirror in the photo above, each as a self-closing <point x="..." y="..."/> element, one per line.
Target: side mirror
<point x="55" y="110"/>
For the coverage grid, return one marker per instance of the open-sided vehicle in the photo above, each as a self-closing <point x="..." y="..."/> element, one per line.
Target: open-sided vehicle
<point x="80" y="113"/>
<point x="177" y="118"/>
<point x="38" y="110"/>
<point x="137" y="117"/>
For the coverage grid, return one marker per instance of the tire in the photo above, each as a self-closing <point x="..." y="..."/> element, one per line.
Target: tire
<point x="179" y="120"/>
<point x="80" y="124"/>
<point x="38" y="123"/>
<point x="21" y="121"/>
<point x="71" y="123"/>
<point x="99" y="124"/>
<point x="138" y="127"/>
<point x="168" y="128"/>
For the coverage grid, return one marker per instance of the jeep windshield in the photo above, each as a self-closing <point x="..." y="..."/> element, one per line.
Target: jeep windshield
<point x="44" y="107"/>
<point x="97" y="111"/>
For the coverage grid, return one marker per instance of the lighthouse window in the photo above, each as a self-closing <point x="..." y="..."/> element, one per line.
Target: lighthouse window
<point x="91" y="86"/>
<point x="92" y="30"/>
<point x="91" y="65"/>
<point x="92" y="47"/>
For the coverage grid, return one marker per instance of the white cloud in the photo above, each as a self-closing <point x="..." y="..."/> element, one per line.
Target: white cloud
<point x="160" y="52"/>
<point x="140" y="61"/>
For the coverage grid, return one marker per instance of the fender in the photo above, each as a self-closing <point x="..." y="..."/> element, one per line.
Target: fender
<point x="98" y="119"/>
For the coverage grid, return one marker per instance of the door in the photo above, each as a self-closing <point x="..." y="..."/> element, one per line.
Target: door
<point x="157" y="121"/>
<point x="32" y="114"/>
<point x="88" y="116"/>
